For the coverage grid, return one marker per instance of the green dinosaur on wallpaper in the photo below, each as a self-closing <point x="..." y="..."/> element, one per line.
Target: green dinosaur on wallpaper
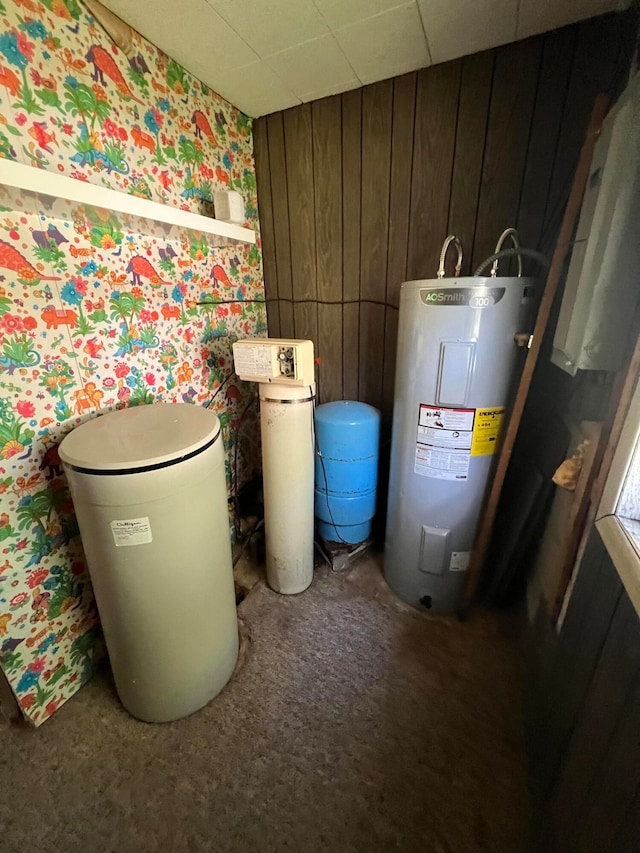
<point x="57" y="378"/>
<point x="7" y="151"/>
<point x="7" y="531"/>
<point x="64" y="8"/>
<point x="106" y="231"/>
<point x="65" y="590"/>
<point x="49" y="250"/>
<point x="177" y="79"/>
<point x="85" y="649"/>
<point x="11" y="661"/>
<point x="49" y="98"/>
<point x="243" y="123"/>
<point x="14" y="434"/>
<point x="18" y="350"/>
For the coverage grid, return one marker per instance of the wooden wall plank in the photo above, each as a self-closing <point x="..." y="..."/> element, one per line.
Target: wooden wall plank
<point x="305" y="317"/>
<point x="627" y="838"/>
<point x="265" y="208"/>
<point x="351" y="181"/>
<point x="377" y="103"/>
<point x="350" y="350"/>
<point x="371" y="353"/>
<point x="617" y="780"/>
<point x="280" y="204"/>
<point x="327" y="181"/>
<point x="512" y="97"/>
<point x="302" y="228"/>
<point x="473" y="114"/>
<point x="330" y="352"/>
<point x="376" y="165"/>
<point x="404" y="106"/>
<point x="433" y="147"/>
<point x="327" y="172"/>
<point x="287" y="328"/>
<point x="584" y="632"/>
<point x="616" y="672"/>
<point x="557" y="60"/>
<point x="273" y="318"/>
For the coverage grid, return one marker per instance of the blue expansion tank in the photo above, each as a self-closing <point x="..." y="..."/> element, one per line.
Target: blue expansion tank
<point x="347" y="437"/>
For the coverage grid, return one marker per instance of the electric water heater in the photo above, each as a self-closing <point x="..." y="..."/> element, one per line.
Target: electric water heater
<point x="455" y="361"/>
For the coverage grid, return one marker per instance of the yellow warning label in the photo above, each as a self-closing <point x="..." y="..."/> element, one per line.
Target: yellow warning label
<point x="486" y="431"/>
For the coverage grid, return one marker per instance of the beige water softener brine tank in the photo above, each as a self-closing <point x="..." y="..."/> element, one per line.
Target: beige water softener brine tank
<point x="148" y="486"/>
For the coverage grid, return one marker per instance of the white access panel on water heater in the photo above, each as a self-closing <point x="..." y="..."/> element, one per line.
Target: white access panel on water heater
<point x="601" y="291"/>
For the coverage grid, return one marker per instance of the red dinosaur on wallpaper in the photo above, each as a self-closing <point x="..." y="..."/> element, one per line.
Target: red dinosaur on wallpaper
<point x="202" y="126"/>
<point x="218" y="274"/>
<point x="140" y="268"/>
<point x="104" y="64"/>
<point x="9" y="80"/>
<point x="11" y="259"/>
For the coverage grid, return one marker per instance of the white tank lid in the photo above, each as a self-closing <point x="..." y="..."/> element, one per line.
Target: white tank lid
<point x="139" y="437"/>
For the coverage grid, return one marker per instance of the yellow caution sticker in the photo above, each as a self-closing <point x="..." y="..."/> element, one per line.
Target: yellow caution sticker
<point x="486" y="431"/>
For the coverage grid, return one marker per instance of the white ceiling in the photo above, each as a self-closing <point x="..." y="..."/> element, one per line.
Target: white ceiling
<point x="266" y="55"/>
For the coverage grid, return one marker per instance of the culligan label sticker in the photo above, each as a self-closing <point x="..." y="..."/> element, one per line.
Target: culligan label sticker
<point x="131" y="531"/>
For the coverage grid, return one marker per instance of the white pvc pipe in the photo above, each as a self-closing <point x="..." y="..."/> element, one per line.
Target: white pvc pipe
<point x="286" y="421"/>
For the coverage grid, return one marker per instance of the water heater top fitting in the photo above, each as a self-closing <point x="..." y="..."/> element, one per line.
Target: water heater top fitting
<point x="275" y="360"/>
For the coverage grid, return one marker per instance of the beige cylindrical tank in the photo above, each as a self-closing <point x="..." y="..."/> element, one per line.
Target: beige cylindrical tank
<point x="286" y="426"/>
<point x="148" y="486"/>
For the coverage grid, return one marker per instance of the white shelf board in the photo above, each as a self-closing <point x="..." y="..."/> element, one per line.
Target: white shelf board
<point x="43" y="182"/>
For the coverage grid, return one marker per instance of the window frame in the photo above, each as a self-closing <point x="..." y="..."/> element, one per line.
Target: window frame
<point x="623" y="547"/>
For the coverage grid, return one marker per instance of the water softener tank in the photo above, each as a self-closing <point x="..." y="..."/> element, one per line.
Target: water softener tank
<point x="455" y="361"/>
<point x="347" y="437"/>
<point x="149" y="491"/>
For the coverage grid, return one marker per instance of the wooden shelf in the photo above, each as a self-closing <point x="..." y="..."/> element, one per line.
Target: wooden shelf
<point x="173" y="220"/>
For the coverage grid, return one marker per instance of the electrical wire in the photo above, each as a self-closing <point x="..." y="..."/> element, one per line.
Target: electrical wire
<point x="259" y="523"/>
<point x="232" y="302"/>
<point x="509" y="253"/>
<point x="219" y="389"/>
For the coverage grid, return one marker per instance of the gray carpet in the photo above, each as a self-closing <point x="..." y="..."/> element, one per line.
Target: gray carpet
<point x="353" y="724"/>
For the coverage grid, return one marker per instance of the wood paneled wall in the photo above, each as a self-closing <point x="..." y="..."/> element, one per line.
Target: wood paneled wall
<point x="586" y="732"/>
<point x="357" y="192"/>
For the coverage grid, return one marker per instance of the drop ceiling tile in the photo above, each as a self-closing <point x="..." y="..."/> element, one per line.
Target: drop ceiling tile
<point x="255" y="90"/>
<point x="468" y="26"/>
<point x="194" y="35"/>
<point x="314" y="65"/>
<point x="270" y="26"/>
<point x="537" y="16"/>
<point x="385" y="45"/>
<point x="339" y="13"/>
<point x="330" y="90"/>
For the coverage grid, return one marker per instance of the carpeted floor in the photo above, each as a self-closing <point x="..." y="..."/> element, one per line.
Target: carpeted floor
<point x="353" y="724"/>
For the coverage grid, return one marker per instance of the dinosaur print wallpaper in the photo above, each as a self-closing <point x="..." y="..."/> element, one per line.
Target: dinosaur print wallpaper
<point x="96" y="315"/>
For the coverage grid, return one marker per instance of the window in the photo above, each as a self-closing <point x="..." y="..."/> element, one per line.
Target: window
<point x="618" y="518"/>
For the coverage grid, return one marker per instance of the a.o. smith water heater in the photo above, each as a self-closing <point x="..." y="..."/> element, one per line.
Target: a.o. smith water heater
<point x="456" y="355"/>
